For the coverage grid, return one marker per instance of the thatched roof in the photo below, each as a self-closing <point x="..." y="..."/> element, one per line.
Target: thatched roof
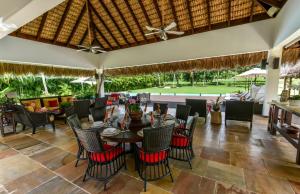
<point x="214" y="63"/>
<point x="291" y="56"/>
<point x="121" y="23"/>
<point x="19" y="69"/>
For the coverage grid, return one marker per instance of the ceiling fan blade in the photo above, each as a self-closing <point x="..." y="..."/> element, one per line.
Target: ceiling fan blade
<point x="84" y="49"/>
<point x="170" y="26"/>
<point x="175" y="32"/>
<point x="82" y="46"/>
<point x="100" y="50"/>
<point x="151" y="33"/>
<point x="151" y="28"/>
<point x="96" y="47"/>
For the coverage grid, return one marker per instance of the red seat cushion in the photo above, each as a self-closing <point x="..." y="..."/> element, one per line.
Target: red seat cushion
<point x="152" y="157"/>
<point x="109" y="102"/>
<point x="180" y="141"/>
<point x="110" y="155"/>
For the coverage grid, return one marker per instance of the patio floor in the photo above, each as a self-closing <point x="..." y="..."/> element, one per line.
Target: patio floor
<point x="231" y="160"/>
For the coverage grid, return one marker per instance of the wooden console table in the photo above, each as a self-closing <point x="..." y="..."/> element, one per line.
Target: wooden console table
<point x="282" y="123"/>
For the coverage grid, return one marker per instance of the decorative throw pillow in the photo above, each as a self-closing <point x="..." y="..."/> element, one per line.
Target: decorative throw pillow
<point x="53" y="103"/>
<point x="29" y="108"/>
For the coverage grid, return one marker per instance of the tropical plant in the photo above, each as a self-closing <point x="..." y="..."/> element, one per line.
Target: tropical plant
<point x="65" y="105"/>
<point x="134" y="107"/>
<point x="216" y="105"/>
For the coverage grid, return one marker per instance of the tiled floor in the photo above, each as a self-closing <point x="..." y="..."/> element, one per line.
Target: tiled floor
<point x="229" y="160"/>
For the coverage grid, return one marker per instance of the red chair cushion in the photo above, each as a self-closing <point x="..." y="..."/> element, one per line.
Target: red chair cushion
<point x="152" y="157"/>
<point x="109" y="102"/>
<point x="110" y="155"/>
<point x="180" y="141"/>
<point x="53" y="103"/>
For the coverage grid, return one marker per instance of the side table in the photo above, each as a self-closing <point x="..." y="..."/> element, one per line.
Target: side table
<point x="7" y="119"/>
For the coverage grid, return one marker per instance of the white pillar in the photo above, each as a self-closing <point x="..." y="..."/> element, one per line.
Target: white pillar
<point x="272" y="81"/>
<point x="100" y="82"/>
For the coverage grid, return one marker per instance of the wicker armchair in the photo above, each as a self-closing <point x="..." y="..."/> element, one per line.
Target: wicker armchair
<point x="75" y="123"/>
<point x="98" y="110"/>
<point x="182" y="114"/>
<point x="81" y="108"/>
<point x="163" y="107"/>
<point x="153" y="156"/>
<point x="197" y="106"/>
<point x="239" y="111"/>
<point x="104" y="161"/>
<point x="32" y="119"/>
<point x="182" y="143"/>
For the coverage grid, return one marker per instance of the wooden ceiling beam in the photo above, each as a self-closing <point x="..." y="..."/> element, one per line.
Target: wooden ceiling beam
<point x="83" y="10"/>
<point x="114" y="21"/>
<point x="135" y="19"/>
<point x="190" y="15"/>
<point x="44" y="17"/>
<point x="208" y="14"/>
<point x="252" y="11"/>
<point x="174" y="13"/>
<point x="124" y="21"/>
<point x="62" y="20"/>
<point x="146" y="15"/>
<point x="104" y="25"/>
<point x="156" y="6"/>
<point x="229" y="13"/>
<point x="83" y="36"/>
<point x="273" y="3"/>
<point x="103" y="37"/>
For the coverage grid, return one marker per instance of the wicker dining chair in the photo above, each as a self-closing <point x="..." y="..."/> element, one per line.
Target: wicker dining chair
<point x="152" y="158"/>
<point x="182" y="143"/>
<point x="182" y="114"/>
<point x="75" y="123"/>
<point x="104" y="161"/>
<point x="163" y="107"/>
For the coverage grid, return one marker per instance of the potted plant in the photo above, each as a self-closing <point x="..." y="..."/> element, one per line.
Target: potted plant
<point x="294" y="100"/>
<point x="216" y="116"/>
<point x="135" y="111"/>
<point x="64" y="105"/>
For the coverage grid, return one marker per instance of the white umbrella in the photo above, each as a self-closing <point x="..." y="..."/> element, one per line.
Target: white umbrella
<point x="253" y="73"/>
<point x="84" y="80"/>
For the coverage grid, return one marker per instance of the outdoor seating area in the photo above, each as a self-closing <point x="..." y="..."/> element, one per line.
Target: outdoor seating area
<point x="150" y="97"/>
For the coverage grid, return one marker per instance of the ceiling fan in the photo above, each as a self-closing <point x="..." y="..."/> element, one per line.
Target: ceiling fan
<point x="93" y="47"/>
<point x="163" y="31"/>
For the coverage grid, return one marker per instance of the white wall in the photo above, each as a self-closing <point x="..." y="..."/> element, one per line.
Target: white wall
<point x="27" y="51"/>
<point x="251" y="37"/>
<point x="287" y="23"/>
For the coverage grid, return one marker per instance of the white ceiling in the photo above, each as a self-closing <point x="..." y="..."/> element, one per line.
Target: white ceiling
<point x="257" y="36"/>
<point x="20" y="12"/>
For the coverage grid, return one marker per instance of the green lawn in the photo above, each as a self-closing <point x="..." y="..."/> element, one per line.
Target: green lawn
<point x="193" y="90"/>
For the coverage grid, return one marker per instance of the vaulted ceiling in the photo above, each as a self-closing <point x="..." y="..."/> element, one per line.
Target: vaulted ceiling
<point x="119" y="24"/>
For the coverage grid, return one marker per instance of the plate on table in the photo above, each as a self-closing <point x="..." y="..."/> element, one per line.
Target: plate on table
<point x="140" y="133"/>
<point x="98" y="124"/>
<point x="108" y="132"/>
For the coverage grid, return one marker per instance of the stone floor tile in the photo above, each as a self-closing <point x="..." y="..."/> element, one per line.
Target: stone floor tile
<point x="225" y="173"/>
<point x="29" y="181"/>
<point x="53" y="158"/>
<point x="57" y="185"/>
<point x="217" y="155"/>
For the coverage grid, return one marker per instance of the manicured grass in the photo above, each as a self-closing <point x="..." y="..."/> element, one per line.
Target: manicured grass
<point x="193" y="90"/>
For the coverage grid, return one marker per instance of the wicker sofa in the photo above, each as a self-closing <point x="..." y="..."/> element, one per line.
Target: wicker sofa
<point x="32" y="119"/>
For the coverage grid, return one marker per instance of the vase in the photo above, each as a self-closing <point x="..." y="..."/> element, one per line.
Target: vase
<point x="216" y="117"/>
<point x="136" y="116"/>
